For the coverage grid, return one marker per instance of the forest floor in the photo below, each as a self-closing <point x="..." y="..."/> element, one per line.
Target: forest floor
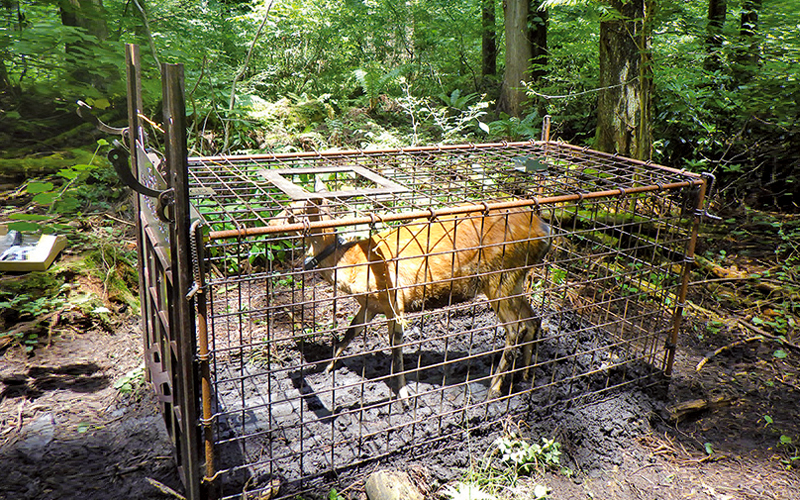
<point x="728" y="428"/>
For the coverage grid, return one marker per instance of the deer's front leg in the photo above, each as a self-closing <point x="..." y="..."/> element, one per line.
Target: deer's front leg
<point x="362" y="317"/>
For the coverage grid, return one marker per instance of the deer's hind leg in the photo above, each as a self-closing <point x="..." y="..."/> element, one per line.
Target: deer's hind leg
<point x="521" y="325"/>
<point x="396" y="333"/>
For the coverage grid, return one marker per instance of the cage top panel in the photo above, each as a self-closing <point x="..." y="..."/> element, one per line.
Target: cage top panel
<point x="238" y="192"/>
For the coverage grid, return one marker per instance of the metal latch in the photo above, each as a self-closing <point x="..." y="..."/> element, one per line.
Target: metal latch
<point x="119" y="158"/>
<point x="710" y="181"/>
<point x="164" y="199"/>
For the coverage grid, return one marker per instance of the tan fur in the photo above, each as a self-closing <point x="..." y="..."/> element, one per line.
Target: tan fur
<point x="402" y="269"/>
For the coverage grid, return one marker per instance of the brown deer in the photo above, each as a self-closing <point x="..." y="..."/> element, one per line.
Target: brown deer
<point x="401" y="269"/>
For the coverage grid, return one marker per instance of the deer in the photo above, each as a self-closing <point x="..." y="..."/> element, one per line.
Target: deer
<point x="402" y="269"/>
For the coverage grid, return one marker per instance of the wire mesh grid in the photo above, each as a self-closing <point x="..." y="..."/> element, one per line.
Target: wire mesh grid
<point x="604" y="301"/>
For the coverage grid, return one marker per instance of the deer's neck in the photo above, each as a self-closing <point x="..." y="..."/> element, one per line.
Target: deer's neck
<point x="321" y="248"/>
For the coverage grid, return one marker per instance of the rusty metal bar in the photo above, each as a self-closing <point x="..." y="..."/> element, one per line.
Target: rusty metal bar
<point x="133" y="68"/>
<point x="183" y="310"/>
<point x="204" y="358"/>
<point x="688" y="262"/>
<point x="546" y="129"/>
<point x="421" y="214"/>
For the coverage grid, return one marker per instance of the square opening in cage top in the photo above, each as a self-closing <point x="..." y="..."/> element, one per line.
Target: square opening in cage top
<point x="340" y="182"/>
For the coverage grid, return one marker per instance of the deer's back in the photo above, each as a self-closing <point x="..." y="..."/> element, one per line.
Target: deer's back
<point x="453" y="256"/>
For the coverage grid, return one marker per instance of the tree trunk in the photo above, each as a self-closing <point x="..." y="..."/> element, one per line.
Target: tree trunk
<point x="89" y="15"/>
<point x="538" y="36"/>
<point x="86" y="14"/>
<point x="717" y="10"/>
<point x="749" y="21"/>
<point x="624" y="104"/>
<point x="488" y="39"/>
<point x="749" y="53"/>
<point x="12" y="7"/>
<point x="5" y="82"/>
<point x="518" y="56"/>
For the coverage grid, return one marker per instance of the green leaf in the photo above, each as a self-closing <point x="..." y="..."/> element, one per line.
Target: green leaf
<point x="768" y="419"/>
<point x="68" y="173"/>
<point x="39" y="187"/>
<point x="780" y="354"/>
<point x="45" y="198"/>
<point x="67" y="204"/>
<point x="83" y="166"/>
<point x="785" y="440"/>
<point x="29" y="217"/>
<point x="23" y="226"/>
<point x="709" y="448"/>
<point x="101" y="103"/>
<point x="83" y="427"/>
<point x="102" y="142"/>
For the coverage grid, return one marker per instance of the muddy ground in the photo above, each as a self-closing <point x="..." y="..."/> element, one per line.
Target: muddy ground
<point x="66" y="431"/>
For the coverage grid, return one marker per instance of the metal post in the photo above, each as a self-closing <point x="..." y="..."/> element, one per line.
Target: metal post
<point x="204" y="359"/>
<point x="134" y="74"/>
<point x="546" y="128"/>
<point x="184" y="347"/>
<point x="688" y="262"/>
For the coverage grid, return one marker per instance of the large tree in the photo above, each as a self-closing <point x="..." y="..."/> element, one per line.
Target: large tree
<point x="717" y="10"/>
<point x="518" y="56"/>
<point x="749" y="51"/>
<point x="13" y="12"/>
<point x="90" y="16"/>
<point x="526" y="43"/>
<point x="624" y="104"/>
<point x="537" y="33"/>
<point x="488" y="39"/>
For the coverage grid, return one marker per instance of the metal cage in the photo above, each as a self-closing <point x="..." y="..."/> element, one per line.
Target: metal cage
<point x="240" y="326"/>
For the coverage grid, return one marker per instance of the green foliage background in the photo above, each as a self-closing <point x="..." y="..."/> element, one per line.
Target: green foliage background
<point x="354" y="73"/>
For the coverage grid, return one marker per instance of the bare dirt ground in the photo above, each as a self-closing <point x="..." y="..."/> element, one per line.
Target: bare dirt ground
<point x="66" y="431"/>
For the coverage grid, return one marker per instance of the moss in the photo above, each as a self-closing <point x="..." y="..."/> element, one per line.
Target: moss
<point x="34" y="284"/>
<point x="116" y="269"/>
<point x="40" y="164"/>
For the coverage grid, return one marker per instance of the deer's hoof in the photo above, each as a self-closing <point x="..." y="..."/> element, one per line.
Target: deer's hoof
<point x="495" y="391"/>
<point x="404" y="393"/>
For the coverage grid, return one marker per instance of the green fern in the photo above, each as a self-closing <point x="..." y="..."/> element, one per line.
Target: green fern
<point x="456" y="100"/>
<point x="374" y="84"/>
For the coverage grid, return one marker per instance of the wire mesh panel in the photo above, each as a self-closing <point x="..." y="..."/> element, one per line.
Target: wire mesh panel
<point x="361" y="305"/>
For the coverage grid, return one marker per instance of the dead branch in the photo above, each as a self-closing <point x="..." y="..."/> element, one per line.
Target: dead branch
<point x="163" y="488"/>
<point x="770" y="336"/>
<point x="706" y="359"/>
<point x="725" y="273"/>
<point x="23" y="328"/>
<point x="680" y="411"/>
